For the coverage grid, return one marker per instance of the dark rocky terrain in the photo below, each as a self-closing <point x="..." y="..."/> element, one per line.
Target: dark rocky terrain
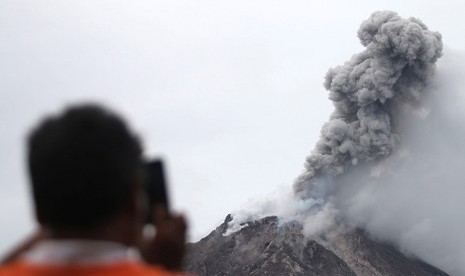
<point x="264" y="247"/>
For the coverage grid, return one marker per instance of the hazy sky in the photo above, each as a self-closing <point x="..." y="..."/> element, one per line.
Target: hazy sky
<point x="230" y="92"/>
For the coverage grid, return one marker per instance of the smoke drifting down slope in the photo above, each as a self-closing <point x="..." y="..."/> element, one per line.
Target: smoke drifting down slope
<point x="398" y="60"/>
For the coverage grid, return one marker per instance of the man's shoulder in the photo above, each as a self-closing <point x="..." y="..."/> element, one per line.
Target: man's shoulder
<point x="114" y="269"/>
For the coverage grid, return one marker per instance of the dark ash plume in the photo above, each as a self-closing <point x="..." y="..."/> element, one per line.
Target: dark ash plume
<point x="399" y="59"/>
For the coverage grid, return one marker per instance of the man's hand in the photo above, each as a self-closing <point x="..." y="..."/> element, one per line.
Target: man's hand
<point x="167" y="248"/>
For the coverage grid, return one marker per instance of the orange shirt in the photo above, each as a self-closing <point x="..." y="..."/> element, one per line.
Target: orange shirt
<point x="80" y="257"/>
<point x="132" y="268"/>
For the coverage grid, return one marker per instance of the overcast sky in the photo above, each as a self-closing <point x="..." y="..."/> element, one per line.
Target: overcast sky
<point x="229" y="92"/>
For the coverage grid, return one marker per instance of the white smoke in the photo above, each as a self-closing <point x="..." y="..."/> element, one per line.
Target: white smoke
<point x="283" y="204"/>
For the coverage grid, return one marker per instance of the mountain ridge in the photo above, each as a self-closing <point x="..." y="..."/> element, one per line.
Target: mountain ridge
<point x="270" y="247"/>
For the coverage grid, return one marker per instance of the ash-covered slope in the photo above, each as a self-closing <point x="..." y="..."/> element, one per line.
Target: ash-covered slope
<point x="264" y="247"/>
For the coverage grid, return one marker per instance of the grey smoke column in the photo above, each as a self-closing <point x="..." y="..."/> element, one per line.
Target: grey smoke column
<point x="399" y="58"/>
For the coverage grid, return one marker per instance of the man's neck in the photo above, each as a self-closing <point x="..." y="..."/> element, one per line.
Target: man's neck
<point x="110" y="232"/>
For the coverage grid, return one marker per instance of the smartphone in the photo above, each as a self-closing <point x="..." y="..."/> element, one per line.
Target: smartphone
<point x="155" y="186"/>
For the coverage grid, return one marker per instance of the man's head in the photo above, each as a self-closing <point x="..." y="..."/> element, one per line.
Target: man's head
<point x="82" y="165"/>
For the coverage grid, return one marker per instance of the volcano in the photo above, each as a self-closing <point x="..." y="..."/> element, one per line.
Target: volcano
<point x="268" y="247"/>
<point x="360" y="206"/>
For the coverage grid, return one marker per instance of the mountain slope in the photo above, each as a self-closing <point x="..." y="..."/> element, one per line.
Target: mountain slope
<point x="264" y="247"/>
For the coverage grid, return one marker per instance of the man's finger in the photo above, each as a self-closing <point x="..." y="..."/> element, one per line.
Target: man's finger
<point x="160" y="214"/>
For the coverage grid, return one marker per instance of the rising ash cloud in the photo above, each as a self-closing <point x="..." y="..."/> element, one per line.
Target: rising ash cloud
<point x="398" y="60"/>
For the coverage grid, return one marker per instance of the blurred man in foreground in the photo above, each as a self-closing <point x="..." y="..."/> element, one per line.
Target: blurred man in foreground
<point x="86" y="174"/>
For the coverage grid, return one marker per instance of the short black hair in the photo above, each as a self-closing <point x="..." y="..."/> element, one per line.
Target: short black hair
<point x="82" y="163"/>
